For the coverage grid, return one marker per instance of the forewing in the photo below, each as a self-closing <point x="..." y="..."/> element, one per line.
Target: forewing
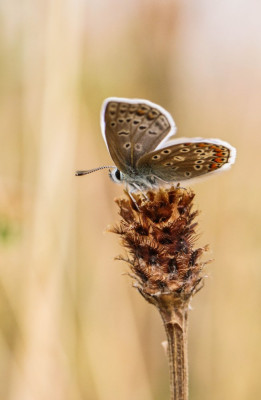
<point x="133" y="128"/>
<point x="186" y="160"/>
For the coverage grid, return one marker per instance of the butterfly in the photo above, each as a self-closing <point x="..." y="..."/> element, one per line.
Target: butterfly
<point x="137" y="134"/>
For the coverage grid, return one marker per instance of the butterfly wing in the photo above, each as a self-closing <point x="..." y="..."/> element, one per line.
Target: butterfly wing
<point x="132" y="128"/>
<point x="187" y="158"/>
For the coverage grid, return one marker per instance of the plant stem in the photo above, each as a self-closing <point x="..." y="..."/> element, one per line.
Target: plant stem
<point x="176" y="322"/>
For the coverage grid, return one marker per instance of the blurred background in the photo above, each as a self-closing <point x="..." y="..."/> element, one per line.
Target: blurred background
<point x="72" y="326"/>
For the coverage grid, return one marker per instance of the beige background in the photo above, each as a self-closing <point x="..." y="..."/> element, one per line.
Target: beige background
<point x="72" y="328"/>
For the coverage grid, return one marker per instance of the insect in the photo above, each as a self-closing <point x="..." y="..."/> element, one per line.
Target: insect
<point x="137" y="133"/>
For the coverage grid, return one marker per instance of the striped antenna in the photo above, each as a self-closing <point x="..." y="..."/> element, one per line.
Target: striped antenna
<point x="89" y="171"/>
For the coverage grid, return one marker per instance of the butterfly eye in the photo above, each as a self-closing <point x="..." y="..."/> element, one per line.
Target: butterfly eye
<point x="116" y="175"/>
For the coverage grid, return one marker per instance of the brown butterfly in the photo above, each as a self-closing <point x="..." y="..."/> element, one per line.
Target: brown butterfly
<point x="137" y="134"/>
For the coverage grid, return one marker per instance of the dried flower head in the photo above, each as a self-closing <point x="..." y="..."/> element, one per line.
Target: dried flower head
<point x="159" y="233"/>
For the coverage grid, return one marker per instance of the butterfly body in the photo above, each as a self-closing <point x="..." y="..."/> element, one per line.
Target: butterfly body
<point x="137" y="134"/>
<point x="137" y="180"/>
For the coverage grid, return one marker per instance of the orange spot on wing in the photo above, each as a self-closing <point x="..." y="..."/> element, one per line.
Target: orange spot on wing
<point x="151" y="115"/>
<point x="201" y="144"/>
<point x="141" y="112"/>
<point x="218" y="160"/>
<point x="213" y="166"/>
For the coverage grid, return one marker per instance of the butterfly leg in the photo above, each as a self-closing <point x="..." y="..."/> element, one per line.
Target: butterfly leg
<point x="130" y="189"/>
<point x="132" y="198"/>
<point x="139" y="189"/>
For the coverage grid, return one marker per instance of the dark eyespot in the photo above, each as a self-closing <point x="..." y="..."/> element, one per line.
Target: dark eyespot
<point x="156" y="157"/>
<point x="187" y="173"/>
<point x="113" y="124"/>
<point x="120" y="120"/>
<point x="112" y="112"/>
<point x="113" y="105"/>
<point x="136" y="122"/>
<point x="142" y="127"/>
<point x="167" y="151"/>
<point x="152" y="133"/>
<point x="198" y="166"/>
<point x="128" y="120"/>
<point x="127" y="145"/>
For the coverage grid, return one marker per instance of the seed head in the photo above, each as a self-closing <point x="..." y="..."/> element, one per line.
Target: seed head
<point x="158" y="231"/>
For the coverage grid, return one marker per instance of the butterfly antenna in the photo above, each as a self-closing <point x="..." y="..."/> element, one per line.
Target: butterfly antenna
<point x="89" y="171"/>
